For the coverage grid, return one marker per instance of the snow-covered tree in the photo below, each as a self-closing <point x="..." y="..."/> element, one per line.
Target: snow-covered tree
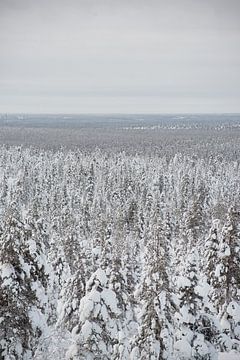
<point x="196" y="331"/>
<point x="118" y="282"/>
<point x="227" y="287"/>
<point x="154" y="340"/>
<point x="24" y="282"/>
<point x="97" y="332"/>
<point x="211" y="253"/>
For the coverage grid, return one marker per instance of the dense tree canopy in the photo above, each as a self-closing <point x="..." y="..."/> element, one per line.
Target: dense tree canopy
<point x="119" y="256"/>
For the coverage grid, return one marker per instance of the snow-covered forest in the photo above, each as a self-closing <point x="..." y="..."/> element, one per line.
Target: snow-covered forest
<point x="118" y="256"/>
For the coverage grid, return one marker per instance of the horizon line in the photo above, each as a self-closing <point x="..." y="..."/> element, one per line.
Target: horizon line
<point x="6" y="113"/>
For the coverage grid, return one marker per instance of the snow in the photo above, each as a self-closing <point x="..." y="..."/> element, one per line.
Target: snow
<point x="232" y="355"/>
<point x="225" y="251"/>
<point x="86" y="330"/>
<point x="86" y="307"/>
<point x="38" y="319"/>
<point x="187" y="317"/>
<point x="233" y="309"/>
<point x="104" y="313"/>
<point x="97" y="310"/>
<point x="183" y="348"/>
<point x="72" y="352"/>
<point x="225" y="325"/>
<point x="25" y="267"/>
<point x="218" y="270"/>
<point x="7" y="270"/>
<point x="53" y="345"/>
<point x="99" y="275"/>
<point x="226" y="341"/>
<point x="97" y="328"/>
<point x="40" y="292"/>
<point x="203" y="289"/>
<point x="200" y="346"/>
<point x="162" y="299"/>
<point x="183" y="282"/>
<point x="110" y="300"/>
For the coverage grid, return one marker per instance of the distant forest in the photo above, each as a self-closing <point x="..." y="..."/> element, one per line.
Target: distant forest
<point x="161" y="135"/>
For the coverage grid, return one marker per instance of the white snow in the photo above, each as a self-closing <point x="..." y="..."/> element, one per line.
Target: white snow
<point x="232" y="355"/>
<point x="182" y="282"/>
<point x="86" y="330"/>
<point x="86" y="307"/>
<point x="7" y="270"/>
<point x="183" y="348"/>
<point x="110" y="300"/>
<point x="233" y="309"/>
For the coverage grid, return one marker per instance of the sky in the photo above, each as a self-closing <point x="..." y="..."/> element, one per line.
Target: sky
<point x="112" y="56"/>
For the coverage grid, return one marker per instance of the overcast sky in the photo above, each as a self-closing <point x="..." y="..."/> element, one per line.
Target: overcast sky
<point x="113" y="56"/>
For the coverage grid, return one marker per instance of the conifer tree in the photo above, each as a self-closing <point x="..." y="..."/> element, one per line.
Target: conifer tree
<point x="211" y="255"/>
<point x="97" y="333"/>
<point x="126" y="323"/>
<point x="227" y="286"/>
<point x="154" y="340"/>
<point x="24" y="281"/>
<point x="197" y="332"/>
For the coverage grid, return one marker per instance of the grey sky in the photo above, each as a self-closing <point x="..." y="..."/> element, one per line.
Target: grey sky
<point x="119" y="56"/>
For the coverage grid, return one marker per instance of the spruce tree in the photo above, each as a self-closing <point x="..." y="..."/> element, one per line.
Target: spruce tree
<point x="24" y="280"/>
<point x="154" y="340"/>
<point x="227" y="287"/>
<point x="197" y="332"/>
